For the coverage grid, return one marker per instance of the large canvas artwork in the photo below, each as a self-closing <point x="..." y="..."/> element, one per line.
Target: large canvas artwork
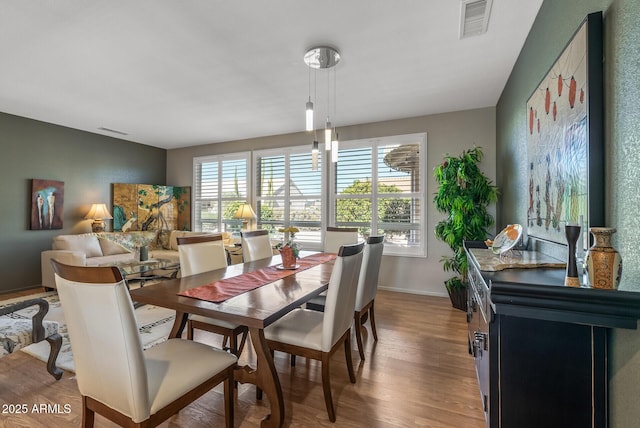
<point x="47" y="200"/>
<point x="564" y="139"/>
<point x="151" y="207"/>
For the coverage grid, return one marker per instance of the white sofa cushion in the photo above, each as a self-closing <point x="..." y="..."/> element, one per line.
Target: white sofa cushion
<point x="110" y="247"/>
<point x="85" y="242"/>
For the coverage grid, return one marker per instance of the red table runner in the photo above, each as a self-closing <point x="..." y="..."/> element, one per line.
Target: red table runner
<point x="227" y="288"/>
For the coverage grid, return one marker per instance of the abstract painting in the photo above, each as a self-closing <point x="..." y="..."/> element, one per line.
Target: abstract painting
<point x="151" y="207"/>
<point x="564" y="132"/>
<point x="47" y="200"/>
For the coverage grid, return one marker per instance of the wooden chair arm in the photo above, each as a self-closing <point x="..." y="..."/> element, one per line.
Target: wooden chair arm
<point x="38" y="318"/>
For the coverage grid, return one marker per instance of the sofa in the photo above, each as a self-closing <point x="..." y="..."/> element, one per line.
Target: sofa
<point x="104" y="248"/>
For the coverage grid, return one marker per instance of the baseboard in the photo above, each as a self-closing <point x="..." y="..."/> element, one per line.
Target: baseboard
<point x="412" y="291"/>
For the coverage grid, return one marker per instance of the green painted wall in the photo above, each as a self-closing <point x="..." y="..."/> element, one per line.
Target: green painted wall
<point x="87" y="164"/>
<point x="554" y="26"/>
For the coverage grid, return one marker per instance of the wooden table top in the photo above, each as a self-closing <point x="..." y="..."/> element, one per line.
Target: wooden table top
<point x="256" y="308"/>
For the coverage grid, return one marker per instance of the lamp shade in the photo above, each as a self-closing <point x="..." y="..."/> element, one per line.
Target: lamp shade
<point x="245" y="212"/>
<point x="98" y="212"/>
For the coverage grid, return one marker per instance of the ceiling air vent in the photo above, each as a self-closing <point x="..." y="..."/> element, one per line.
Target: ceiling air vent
<point x="474" y="17"/>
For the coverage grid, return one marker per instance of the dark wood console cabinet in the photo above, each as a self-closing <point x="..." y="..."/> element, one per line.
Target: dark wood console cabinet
<point x="540" y="348"/>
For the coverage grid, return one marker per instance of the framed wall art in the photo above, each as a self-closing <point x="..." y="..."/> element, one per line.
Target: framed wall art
<point x="565" y="139"/>
<point x="151" y="207"/>
<point x="47" y="200"/>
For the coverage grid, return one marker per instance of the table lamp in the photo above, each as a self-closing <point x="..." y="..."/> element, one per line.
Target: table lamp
<point x="98" y="213"/>
<point x="245" y="213"/>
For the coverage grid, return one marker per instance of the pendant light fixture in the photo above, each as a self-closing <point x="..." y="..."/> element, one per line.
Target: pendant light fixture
<point x="309" y="107"/>
<point x="334" y="140"/>
<point x="314" y="155"/>
<point x="321" y="58"/>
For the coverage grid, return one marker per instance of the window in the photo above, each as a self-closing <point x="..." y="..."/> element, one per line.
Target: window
<point x="378" y="186"/>
<point x="220" y="184"/>
<point x="289" y="193"/>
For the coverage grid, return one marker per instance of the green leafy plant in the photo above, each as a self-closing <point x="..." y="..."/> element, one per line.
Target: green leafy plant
<point x="464" y="193"/>
<point x="289" y="234"/>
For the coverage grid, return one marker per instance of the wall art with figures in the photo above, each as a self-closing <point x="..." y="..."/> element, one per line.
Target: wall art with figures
<point x="565" y="139"/>
<point x="47" y="201"/>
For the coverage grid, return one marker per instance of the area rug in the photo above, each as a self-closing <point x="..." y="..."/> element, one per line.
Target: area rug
<point x="154" y="324"/>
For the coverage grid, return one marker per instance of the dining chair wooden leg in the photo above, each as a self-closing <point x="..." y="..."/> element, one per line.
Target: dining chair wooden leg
<point x="372" y="321"/>
<point x="326" y="386"/>
<point x="189" y="330"/>
<point x="229" y="386"/>
<point x="88" y="415"/>
<point x="347" y="354"/>
<point x="357" y="325"/>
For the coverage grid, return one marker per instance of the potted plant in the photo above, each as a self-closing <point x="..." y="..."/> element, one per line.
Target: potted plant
<point x="288" y="248"/>
<point x="464" y="193"/>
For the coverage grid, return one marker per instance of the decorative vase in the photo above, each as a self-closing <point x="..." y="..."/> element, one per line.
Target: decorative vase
<point x="288" y="259"/>
<point x="573" y="233"/>
<point x="144" y="253"/>
<point x="603" y="263"/>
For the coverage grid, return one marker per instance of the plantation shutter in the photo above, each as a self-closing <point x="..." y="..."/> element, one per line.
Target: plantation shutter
<point x="378" y="187"/>
<point x="289" y="193"/>
<point x="221" y="185"/>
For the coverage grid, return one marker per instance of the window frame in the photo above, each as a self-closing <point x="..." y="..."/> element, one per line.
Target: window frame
<point x="287" y="152"/>
<point x="197" y="186"/>
<point x="419" y="250"/>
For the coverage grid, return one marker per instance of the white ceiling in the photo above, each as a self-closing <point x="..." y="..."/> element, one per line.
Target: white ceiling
<point x="181" y="73"/>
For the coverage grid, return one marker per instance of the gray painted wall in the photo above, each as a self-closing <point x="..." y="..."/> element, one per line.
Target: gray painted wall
<point x="446" y="133"/>
<point x="554" y="26"/>
<point x="87" y="164"/>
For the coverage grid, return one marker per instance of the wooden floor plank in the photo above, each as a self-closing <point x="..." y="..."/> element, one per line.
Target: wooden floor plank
<point x="418" y="374"/>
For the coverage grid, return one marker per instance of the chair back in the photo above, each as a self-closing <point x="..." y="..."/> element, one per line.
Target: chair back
<point x="341" y="294"/>
<point x="107" y="350"/>
<point x="201" y="253"/>
<point x="368" y="279"/>
<point x="335" y="237"/>
<point x="256" y="245"/>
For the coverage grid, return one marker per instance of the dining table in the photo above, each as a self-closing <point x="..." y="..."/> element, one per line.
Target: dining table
<point x="256" y="308"/>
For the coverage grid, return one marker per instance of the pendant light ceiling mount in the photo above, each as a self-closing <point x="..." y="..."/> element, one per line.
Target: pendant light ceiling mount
<point x="320" y="57"/>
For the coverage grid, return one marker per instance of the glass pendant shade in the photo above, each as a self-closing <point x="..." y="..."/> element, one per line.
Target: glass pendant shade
<point x="309" y="115"/>
<point x="334" y="148"/>
<point x="314" y="156"/>
<point x="327" y="136"/>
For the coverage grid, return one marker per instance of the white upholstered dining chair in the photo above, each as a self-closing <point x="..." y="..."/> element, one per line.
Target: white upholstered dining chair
<point x="335" y="237"/>
<point x="317" y="335"/>
<point x="367" y="289"/>
<point x="116" y="377"/>
<point x="200" y="254"/>
<point x="256" y="245"/>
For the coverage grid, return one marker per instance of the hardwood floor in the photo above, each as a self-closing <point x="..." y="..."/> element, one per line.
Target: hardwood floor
<point x="418" y="374"/>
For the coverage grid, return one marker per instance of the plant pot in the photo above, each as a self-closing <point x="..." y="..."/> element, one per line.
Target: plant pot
<point x="288" y="259"/>
<point x="458" y="298"/>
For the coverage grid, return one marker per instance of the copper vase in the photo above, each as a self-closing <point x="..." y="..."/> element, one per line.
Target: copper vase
<point x="288" y="259"/>
<point x="603" y="263"/>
